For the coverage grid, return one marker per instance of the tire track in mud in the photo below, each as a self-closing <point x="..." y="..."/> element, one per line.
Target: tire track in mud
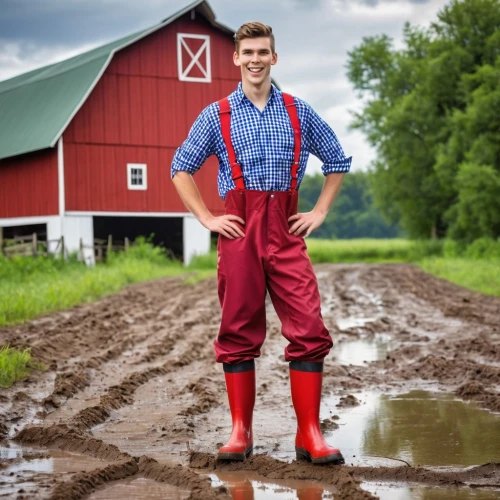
<point x="165" y="329"/>
<point x="348" y="487"/>
<point x="75" y="344"/>
<point x="346" y="479"/>
<point x="71" y="436"/>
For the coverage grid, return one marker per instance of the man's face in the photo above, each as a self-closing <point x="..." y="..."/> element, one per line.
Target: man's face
<point x="255" y="59"/>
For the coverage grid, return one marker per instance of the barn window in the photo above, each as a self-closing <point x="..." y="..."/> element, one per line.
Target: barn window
<point x="193" y="58"/>
<point x="137" y="177"/>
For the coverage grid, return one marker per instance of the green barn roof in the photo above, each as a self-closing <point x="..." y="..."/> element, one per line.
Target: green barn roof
<point x="36" y="107"/>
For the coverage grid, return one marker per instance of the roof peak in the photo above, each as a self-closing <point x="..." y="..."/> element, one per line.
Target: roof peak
<point x="109" y="48"/>
<point x="37" y="106"/>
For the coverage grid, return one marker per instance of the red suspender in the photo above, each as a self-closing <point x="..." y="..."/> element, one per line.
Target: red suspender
<point x="225" y="122"/>
<point x="294" y="119"/>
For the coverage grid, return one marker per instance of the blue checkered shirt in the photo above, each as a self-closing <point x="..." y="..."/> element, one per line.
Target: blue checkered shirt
<point x="263" y="142"/>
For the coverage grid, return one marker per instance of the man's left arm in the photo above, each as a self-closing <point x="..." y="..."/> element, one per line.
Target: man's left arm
<point x="322" y="142"/>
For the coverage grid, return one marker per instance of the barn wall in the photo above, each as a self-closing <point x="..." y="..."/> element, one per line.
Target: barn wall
<point x="140" y="112"/>
<point x="28" y="185"/>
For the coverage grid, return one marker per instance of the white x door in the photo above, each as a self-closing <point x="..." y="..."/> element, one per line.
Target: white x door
<point x="193" y="57"/>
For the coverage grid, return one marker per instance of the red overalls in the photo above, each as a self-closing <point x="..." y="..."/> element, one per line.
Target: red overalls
<point x="267" y="257"/>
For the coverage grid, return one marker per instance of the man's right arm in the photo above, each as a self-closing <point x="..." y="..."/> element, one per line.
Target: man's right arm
<point x="188" y="159"/>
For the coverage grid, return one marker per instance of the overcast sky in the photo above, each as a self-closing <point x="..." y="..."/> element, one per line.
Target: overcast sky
<point x="312" y="41"/>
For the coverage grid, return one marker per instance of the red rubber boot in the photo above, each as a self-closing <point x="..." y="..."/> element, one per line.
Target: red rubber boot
<point x="305" y="381"/>
<point x="240" y="384"/>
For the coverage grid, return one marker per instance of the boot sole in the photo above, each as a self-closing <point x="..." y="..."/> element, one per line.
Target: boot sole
<point x="235" y="456"/>
<point x="304" y="455"/>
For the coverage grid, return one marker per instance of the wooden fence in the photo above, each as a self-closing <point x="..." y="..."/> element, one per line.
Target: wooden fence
<point x="30" y="245"/>
<point x="102" y="247"/>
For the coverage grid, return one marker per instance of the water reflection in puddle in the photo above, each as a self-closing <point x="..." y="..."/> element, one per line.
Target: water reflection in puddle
<point x="420" y="427"/>
<point x="417" y="492"/>
<point x="352" y="322"/>
<point x="251" y="486"/>
<point x="26" y="460"/>
<point x="359" y="351"/>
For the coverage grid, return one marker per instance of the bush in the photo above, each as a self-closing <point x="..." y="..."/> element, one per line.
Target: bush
<point x="21" y="268"/>
<point x="453" y="248"/>
<point x="208" y="261"/>
<point x="143" y="249"/>
<point x="421" y="249"/>
<point x="483" y="248"/>
<point x="15" y="365"/>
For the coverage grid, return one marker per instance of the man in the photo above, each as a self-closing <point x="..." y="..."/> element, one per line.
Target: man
<point x="262" y="139"/>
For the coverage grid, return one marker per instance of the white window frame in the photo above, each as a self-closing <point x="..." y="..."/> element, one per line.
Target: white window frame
<point x="205" y="46"/>
<point x="139" y="166"/>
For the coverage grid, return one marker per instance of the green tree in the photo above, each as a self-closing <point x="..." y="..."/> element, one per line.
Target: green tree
<point x="432" y="112"/>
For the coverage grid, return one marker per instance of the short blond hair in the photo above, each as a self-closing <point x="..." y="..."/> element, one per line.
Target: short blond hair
<point x="253" y="30"/>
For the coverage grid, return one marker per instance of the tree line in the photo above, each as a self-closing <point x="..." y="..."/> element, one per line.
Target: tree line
<point x="432" y="111"/>
<point x="353" y="214"/>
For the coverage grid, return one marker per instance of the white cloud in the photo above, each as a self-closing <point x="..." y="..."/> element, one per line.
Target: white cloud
<point x="17" y="58"/>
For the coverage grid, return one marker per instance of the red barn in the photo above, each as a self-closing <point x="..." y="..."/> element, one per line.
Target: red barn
<point x="86" y="144"/>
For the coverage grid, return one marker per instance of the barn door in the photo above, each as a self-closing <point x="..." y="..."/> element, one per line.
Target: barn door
<point x="193" y="57"/>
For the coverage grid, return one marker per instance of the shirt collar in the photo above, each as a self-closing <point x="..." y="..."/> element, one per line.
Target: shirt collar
<point x="240" y="95"/>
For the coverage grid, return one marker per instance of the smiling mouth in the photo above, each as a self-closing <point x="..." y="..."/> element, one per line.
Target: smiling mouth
<point x="255" y="70"/>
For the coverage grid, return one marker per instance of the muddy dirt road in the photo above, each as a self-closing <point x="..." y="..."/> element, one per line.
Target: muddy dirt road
<point x="132" y="404"/>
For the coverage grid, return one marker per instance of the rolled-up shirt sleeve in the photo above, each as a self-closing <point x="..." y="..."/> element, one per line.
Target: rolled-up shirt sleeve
<point x="324" y="144"/>
<point x="198" y="146"/>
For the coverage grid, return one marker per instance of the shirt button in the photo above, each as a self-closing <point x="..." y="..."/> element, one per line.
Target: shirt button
<point x="272" y="196"/>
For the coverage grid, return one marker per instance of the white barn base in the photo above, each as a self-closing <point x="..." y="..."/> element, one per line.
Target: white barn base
<point x="196" y="239"/>
<point x="75" y="226"/>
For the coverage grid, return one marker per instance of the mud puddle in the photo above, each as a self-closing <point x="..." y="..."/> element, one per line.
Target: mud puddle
<point x="420" y="427"/>
<point x="23" y="466"/>
<point x="33" y="460"/>
<point x="386" y="491"/>
<point x="139" y="488"/>
<point x="363" y="350"/>
<point x="251" y="486"/>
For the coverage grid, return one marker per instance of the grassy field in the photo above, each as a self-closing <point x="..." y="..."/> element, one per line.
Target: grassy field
<point x="370" y="250"/>
<point x="475" y="266"/>
<point x="480" y="275"/>
<point x="30" y="287"/>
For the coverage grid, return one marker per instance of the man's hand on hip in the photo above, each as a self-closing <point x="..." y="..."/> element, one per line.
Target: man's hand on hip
<point x="308" y="222"/>
<point x="225" y="226"/>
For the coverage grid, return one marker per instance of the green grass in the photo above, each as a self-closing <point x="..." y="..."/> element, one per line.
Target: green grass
<point x="480" y="275"/>
<point x="30" y="287"/>
<point x="208" y="261"/>
<point x="475" y="266"/>
<point x="359" y="250"/>
<point x="371" y="250"/>
<point x="15" y="365"/>
<point x="33" y="286"/>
